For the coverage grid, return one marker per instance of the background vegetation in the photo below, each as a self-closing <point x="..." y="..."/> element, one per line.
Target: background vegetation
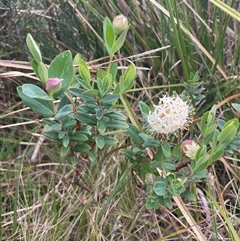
<point x="38" y="198"/>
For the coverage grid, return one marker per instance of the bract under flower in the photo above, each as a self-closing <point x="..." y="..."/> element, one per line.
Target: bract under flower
<point x="171" y="114"/>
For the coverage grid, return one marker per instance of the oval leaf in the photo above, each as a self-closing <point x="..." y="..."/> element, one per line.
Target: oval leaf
<point x="33" y="48"/>
<point x="40" y="106"/>
<point x="100" y="141"/>
<point x="117" y="125"/>
<point x="35" y="92"/>
<point x="78" y="136"/>
<point x="64" y="111"/>
<point x="160" y="188"/>
<point x="108" y="34"/>
<point x="119" y="42"/>
<point x="42" y="72"/>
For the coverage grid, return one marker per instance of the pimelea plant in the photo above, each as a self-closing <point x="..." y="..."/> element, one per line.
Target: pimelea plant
<point x="88" y="111"/>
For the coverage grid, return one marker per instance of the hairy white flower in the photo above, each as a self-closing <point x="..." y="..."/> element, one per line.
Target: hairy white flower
<point x="171" y="114"/>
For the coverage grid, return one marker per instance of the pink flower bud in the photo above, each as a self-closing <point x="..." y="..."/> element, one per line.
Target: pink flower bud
<point x="120" y="23"/>
<point x="53" y="84"/>
<point x="189" y="149"/>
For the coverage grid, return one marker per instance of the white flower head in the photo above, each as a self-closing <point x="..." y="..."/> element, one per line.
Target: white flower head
<point x="171" y="114"/>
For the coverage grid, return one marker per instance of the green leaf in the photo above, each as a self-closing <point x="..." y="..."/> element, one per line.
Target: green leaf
<point x="159" y="156"/>
<point x="61" y="134"/>
<point x="92" y="156"/>
<point x="92" y="92"/>
<point x="221" y="123"/>
<point x="166" y="149"/>
<point x="116" y="115"/>
<point x="203" y="122"/>
<point x="211" y="116"/>
<point x="40" y="106"/>
<point x="160" y="188"/>
<point x="62" y="68"/>
<point x="227" y="134"/>
<point x="236" y="107"/>
<point x="64" y="150"/>
<point x="114" y="70"/>
<point x="117" y="89"/>
<point x="201" y="163"/>
<point x="65" y="140"/>
<point x="64" y="101"/>
<point x="115" y="124"/>
<point x="101" y="126"/>
<point x="110" y="140"/>
<point x="199" y="175"/>
<point x="133" y="131"/>
<point x="167" y="202"/>
<point x="152" y="204"/>
<point x="207" y="121"/>
<point x="77" y="58"/>
<point x="215" y="156"/>
<point x="151" y="143"/>
<point x="201" y="159"/>
<point x="127" y="153"/>
<point x="100" y="141"/>
<point x="108" y="34"/>
<point x="84" y="72"/>
<point x="145" y="110"/>
<point x="34" y="65"/>
<point x="189" y="196"/>
<point x="64" y="111"/>
<point x="128" y="78"/>
<point x="70" y="125"/>
<point x="85" y="118"/>
<point x="99" y="114"/>
<point x="54" y="126"/>
<point x="78" y="136"/>
<point x="51" y="135"/>
<point x="106" y="79"/>
<point x="35" y="92"/>
<point x="209" y="130"/>
<point x="202" y="151"/>
<point x="119" y="42"/>
<point x="82" y="94"/>
<point x="214" y="139"/>
<point x="176" y="152"/>
<point x="169" y="166"/>
<point x="82" y="148"/>
<point x="87" y="108"/>
<point x="233" y="122"/>
<point x="33" y="48"/>
<point x="208" y="138"/>
<point x="109" y="99"/>
<point x="42" y="72"/>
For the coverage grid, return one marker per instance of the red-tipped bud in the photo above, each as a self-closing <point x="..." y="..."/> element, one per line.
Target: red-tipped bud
<point x="53" y="84"/>
<point x="120" y="23"/>
<point x="189" y="149"/>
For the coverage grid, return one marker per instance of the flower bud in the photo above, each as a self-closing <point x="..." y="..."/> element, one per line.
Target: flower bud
<point x="189" y="149"/>
<point x="53" y="84"/>
<point x="150" y="179"/>
<point x="120" y="23"/>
